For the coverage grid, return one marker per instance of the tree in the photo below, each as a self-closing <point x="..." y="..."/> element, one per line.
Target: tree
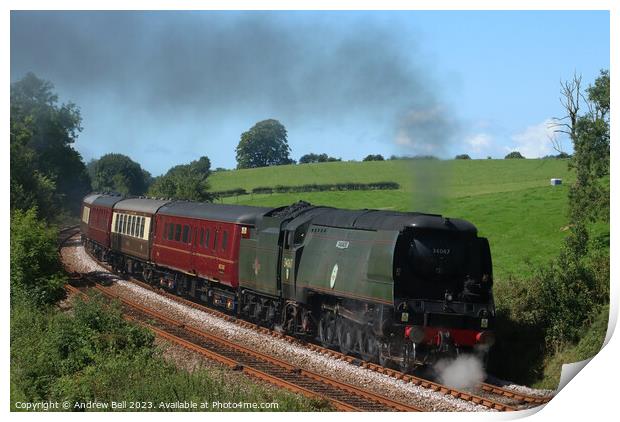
<point x="513" y="154"/>
<point x="317" y="158"/>
<point x="371" y="157"/>
<point x="576" y="284"/>
<point x="462" y="157"/>
<point x="185" y="181"/>
<point x="118" y="173"/>
<point x="265" y="144"/>
<point x="589" y="133"/>
<point x="45" y="169"/>
<point x="36" y="273"/>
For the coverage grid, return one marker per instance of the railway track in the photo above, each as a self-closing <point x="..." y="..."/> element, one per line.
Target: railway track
<point x="342" y="396"/>
<point x="476" y="399"/>
<point x="515" y="399"/>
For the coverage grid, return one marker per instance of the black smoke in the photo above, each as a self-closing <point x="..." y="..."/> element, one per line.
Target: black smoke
<point x="305" y="68"/>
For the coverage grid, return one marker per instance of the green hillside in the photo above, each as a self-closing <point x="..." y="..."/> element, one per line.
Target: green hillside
<point x="510" y="201"/>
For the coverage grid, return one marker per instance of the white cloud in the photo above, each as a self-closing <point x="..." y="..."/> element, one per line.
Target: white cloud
<point x="534" y="141"/>
<point x="479" y="142"/>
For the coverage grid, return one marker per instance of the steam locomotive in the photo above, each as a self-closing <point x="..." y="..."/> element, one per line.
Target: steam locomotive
<point x="401" y="289"/>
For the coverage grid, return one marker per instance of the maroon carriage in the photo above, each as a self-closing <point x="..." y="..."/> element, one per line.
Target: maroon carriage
<point x="96" y="221"/>
<point x="202" y="241"/>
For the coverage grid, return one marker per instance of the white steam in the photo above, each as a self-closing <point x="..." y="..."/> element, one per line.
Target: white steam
<point x="463" y="372"/>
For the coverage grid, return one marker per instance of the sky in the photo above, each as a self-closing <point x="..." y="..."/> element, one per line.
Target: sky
<point x="165" y="88"/>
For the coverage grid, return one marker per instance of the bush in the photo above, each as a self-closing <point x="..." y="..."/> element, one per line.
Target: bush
<point x="376" y="157"/>
<point x="327" y="187"/>
<point x="462" y="157"/>
<point x="513" y="154"/>
<point x="94" y="354"/>
<point x="229" y="192"/>
<point x="36" y="272"/>
<point x="317" y="158"/>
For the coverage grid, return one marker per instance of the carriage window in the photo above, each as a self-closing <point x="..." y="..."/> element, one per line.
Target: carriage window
<point x="116" y="223"/>
<point x="185" y="234"/>
<point x="207" y="238"/>
<point x="165" y="232"/>
<point x="123" y="223"/>
<point x="202" y="237"/>
<point x="134" y="220"/>
<point x="177" y="234"/>
<point x="171" y="232"/>
<point x="214" y="240"/>
<point x="224" y="240"/>
<point x="142" y="221"/>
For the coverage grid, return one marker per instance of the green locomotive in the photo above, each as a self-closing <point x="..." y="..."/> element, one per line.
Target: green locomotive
<point x="392" y="287"/>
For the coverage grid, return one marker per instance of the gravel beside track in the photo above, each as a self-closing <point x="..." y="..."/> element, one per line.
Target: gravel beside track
<point x="76" y="259"/>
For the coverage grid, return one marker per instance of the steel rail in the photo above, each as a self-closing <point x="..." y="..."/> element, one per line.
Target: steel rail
<point x="359" y="400"/>
<point x="424" y="383"/>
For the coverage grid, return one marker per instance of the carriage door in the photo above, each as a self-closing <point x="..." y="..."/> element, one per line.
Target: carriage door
<point x="291" y="257"/>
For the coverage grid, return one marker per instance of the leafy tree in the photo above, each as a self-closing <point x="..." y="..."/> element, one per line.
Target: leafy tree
<point x="576" y="284"/>
<point x="589" y="132"/>
<point x="45" y="169"/>
<point x="185" y="181"/>
<point x="513" y="155"/>
<point x="265" y="144"/>
<point x="118" y="173"/>
<point x="376" y="157"/>
<point x="36" y="273"/>
<point x="317" y="158"/>
<point x="462" y="157"/>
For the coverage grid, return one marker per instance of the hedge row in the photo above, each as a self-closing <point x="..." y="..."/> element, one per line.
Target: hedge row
<point x="310" y="188"/>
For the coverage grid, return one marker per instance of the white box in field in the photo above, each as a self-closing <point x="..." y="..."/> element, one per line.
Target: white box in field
<point x="555" y="182"/>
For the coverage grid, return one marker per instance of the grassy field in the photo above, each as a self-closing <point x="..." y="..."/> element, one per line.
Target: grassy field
<point x="510" y="201"/>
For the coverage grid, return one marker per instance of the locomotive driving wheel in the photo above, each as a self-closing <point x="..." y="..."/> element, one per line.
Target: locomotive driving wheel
<point x="345" y="336"/>
<point x="327" y="329"/>
<point x="369" y="346"/>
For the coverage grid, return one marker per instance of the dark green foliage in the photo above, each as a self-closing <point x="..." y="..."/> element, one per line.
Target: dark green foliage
<point x="317" y="158"/>
<point x="185" y="181"/>
<point x="513" y="154"/>
<point x="589" y="197"/>
<point x="326" y="187"/>
<point x="118" y="173"/>
<point x="45" y="170"/>
<point x="562" y="306"/>
<point x="560" y="156"/>
<point x="265" y="144"/>
<point x="36" y="273"/>
<point x="462" y="157"/>
<point x="230" y="192"/>
<point x="92" y="353"/>
<point x="375" y="157"/>
<point x="598" y="94"/>
<point x="413" y="157"/>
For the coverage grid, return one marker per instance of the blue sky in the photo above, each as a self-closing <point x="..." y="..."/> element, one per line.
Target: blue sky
<point x="168" y="87"/>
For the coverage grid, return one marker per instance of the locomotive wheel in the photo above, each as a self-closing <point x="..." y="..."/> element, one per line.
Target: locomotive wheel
<point x="368" y="345"/>
<point x="384" y="354"/>
<point x="327" y="329"/>
<point x="408" y="357"/>
<point x="345" y="336"/>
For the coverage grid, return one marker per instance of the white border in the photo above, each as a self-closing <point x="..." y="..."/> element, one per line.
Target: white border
<point x="577" y="400"/>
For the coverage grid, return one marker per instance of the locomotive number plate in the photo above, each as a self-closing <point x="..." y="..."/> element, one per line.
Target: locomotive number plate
<point x="342" y="244"/>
